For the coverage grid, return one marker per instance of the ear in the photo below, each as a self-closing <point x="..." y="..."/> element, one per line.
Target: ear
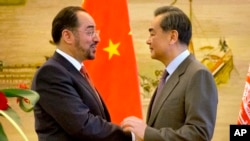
<point x="174" y="36"/>
<point x="68" y="36"/>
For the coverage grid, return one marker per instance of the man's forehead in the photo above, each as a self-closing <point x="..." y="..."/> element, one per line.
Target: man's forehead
<point x="155" y="23"/>
<point x="86" y="20"/>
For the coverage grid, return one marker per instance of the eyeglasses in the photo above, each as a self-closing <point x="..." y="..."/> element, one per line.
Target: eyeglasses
<point x="92" y="33"/>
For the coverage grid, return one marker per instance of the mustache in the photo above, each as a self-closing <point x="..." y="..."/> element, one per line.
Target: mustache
<point x="94" y="44"/>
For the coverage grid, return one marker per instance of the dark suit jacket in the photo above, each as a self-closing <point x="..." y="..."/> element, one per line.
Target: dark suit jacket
<point x="187" y="106"/>
<point x="68" y="109"/>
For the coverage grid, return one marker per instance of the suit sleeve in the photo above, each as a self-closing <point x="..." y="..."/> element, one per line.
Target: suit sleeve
<point x="64" y="108"/>
<point x="200" y="108"/>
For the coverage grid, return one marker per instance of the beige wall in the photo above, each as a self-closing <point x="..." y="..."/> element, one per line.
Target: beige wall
<point x="25" y="35"/>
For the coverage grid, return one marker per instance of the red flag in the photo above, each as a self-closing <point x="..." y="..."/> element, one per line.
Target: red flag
<point x="244" y="114"/>
<point x="114" y="71"/>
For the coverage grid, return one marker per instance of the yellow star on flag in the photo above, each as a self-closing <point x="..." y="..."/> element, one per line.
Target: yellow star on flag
<point x="112" y="49"/>
<point x="130" y="33"/>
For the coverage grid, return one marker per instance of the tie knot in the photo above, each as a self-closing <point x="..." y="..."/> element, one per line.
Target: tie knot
<point x="164" y="75"/>
<point x="83" y="70"/>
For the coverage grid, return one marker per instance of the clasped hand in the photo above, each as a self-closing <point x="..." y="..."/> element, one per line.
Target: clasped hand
<point x="135" y="125"/>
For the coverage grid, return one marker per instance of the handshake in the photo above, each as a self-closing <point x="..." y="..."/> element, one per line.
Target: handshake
<point x="135" y="125"/>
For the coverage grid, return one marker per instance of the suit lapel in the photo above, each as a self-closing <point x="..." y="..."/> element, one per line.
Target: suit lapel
<point x="65" y="63"/>
<point x="92" y="92"/>
<point x="166" y="91"/>
<point x="150" y="105"/>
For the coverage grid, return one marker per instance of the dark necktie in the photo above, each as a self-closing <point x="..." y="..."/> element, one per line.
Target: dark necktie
<point x="85" y="74"/>
<point x="162" y="81"/>
<point x="160" y="86"/>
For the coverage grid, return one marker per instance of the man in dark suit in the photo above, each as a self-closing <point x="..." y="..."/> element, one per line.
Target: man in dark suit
<point x="185" y="108"/>
<point x="69" y="108"/>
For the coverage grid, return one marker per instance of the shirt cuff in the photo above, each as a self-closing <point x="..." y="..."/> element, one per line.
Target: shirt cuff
<point x="133" y="136"/>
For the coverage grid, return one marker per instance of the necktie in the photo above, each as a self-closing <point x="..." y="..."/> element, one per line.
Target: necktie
<point x="85" y="74"/>
<point x="160" y="86"/>
<point x="162" y="81"/>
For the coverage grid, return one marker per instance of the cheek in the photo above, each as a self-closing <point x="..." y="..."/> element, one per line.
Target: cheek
<point x="85" y="43"/>
<point x="159" y="47"/>
<point x="158" y="44"/>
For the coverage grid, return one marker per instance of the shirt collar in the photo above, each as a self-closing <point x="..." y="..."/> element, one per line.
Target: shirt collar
<point x="177" y="61"/>
<point x="72" y="60"/>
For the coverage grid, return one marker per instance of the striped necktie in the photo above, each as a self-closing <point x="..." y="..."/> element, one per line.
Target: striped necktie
<point x="160" y="86"/>
<point x="85" y="74"/>
<point x="162" y="81"/>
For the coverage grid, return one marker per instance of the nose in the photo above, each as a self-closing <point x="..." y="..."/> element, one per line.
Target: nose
<point x="97" y="36"/>
<point x="148" y="41"/>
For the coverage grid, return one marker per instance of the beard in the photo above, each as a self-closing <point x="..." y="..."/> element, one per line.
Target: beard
<point x="88" y="54"/>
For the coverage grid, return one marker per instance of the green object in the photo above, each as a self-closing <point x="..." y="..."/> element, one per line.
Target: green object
<point x="3" y="136"/>
<point x="26" y="99"/>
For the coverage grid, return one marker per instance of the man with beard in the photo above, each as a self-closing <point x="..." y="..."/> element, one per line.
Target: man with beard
<point x="70" y="108"/>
